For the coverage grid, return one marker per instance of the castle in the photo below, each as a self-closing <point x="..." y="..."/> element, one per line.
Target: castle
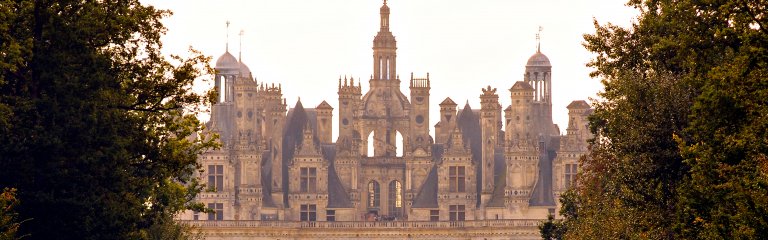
<point x="282" y="164"/>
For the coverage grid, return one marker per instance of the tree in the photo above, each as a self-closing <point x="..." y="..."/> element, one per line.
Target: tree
<point x="9" y="222"/>
<point x="680" y="132"/>
<point x="100" y="138"/>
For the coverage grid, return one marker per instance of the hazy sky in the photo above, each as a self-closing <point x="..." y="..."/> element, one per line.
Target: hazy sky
<point x="464" y="45"/>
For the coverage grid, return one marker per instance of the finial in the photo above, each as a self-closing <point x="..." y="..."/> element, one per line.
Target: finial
<point x="385" y="2"/>
<point x="352" y="81"/>
<point x="538" y="40"/>
<point x="240" y="54"/>
<point x="227" y="50"/>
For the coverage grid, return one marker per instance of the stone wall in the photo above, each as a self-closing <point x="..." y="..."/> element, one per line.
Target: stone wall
<point x="481" y="229"/>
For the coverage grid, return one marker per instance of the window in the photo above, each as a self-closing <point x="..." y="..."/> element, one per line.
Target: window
<point x="308" y="180"/>
<point x="434" y="215"/>
<point x="196" y="216"/>
<point x="456" y="178"/>
<point x="395" y="198"/>
<point x="456" y="212"/>
<point x="308" y="212"/>
<point x="570" y="174"/>
<point x="373" y="194"/>
<point x="330" y="215"/>
<point x="218" y="211"/>
<point x="216" y="177"/>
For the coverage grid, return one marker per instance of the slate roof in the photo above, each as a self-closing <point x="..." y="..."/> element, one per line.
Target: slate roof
<point x="542" y="191"/>
<point x="337" y="196"/>
<point x="427" y="196"/>
<point x="297" y="119"/>
<point x="500" y="179"/>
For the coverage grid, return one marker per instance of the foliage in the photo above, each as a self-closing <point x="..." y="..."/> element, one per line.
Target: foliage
<point x="680" y="131"/>
<point x="99" y="135"/>
<point x="9" y="222"/>
<point x="551" y="229"/>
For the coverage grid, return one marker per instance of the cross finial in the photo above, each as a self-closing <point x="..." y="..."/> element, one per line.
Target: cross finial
<point x="538" y="39"/>
<point x="227" y="36"/>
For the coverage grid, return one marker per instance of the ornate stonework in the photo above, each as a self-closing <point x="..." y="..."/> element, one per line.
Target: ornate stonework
<point x="487" y="172"/>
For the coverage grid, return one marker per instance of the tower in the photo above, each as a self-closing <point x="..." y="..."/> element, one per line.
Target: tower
<point x="420" y="112"/>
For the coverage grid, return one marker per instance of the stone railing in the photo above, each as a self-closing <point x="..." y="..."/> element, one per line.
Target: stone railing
<point x="361" y="224"/>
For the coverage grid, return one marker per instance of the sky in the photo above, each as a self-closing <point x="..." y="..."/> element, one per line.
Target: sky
<point x="306" y="45"/>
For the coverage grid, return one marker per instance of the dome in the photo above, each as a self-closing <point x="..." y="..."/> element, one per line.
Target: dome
<point x="244" y="70"/>
<point x="538" y="60"/>
<point x="227" y="61"/>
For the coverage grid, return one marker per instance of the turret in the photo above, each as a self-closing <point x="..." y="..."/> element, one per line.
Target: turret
<point x="324" y="122"/>
<point x="420" y="111"/>
<point x="447" y="121"/>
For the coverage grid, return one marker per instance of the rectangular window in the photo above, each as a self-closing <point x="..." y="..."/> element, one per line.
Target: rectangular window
<point x="570" y="174"/>
<point x="308" y="183"/>
<point x="456" y="212"/>
<point x="196" y="216"/>
<point x="218" y="211"/>
<point x="330" y="215"/>
<point x="456" y="176"/>
<point x="216" y="177"/>
<point x="308" y="212"/>
<point x="434" y="215"/>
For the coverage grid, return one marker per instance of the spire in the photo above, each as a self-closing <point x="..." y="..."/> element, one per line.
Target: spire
<point x="538" y="40"/>
<point x="384" y="16"/>
<point x="240" y="54"/>
<point x="227" y="49"/>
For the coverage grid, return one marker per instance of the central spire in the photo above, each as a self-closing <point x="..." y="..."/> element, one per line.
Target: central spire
<point x="384" y="17"/>
<point x="384" y="48"/>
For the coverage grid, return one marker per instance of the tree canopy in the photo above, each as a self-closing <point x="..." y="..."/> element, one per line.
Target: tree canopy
<point x="681" y="129"/>
<point x="98" y="129"/>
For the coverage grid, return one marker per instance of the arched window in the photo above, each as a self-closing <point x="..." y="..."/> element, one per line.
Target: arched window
<point x="399" y="144"/>
<point x="371" y="144"/>
<point x="387" y="74"/>
<point x="223" y="90"/>
<point x="395" y="198"/>
<point x="373" y="194"/>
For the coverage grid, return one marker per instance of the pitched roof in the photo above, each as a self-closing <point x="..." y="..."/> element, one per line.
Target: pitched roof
<point x="448" y="101"/>
<point x="324" y="105"/>
<point x="520" y="85"/>
<point x="500" y="178"/>
<point x="337" y="196"/>
<point x="578" y="104"/>
<point x="427" y="196"/>
<point x="542" y="191"/>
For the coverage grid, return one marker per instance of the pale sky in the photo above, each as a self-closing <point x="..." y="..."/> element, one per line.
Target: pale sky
<point x="464" y="45"/>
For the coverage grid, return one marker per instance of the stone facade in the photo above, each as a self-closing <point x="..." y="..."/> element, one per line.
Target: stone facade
<point x="281" y="164"/>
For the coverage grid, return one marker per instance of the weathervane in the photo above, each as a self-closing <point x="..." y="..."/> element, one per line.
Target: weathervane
<point x="240" y="55"/>
<point x="227" y="36"/>
<point x="538" y="39"/>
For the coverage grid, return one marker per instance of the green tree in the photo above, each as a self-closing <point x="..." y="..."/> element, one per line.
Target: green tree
<point x="680" y="131"/>
<point x="99" y="137"/>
